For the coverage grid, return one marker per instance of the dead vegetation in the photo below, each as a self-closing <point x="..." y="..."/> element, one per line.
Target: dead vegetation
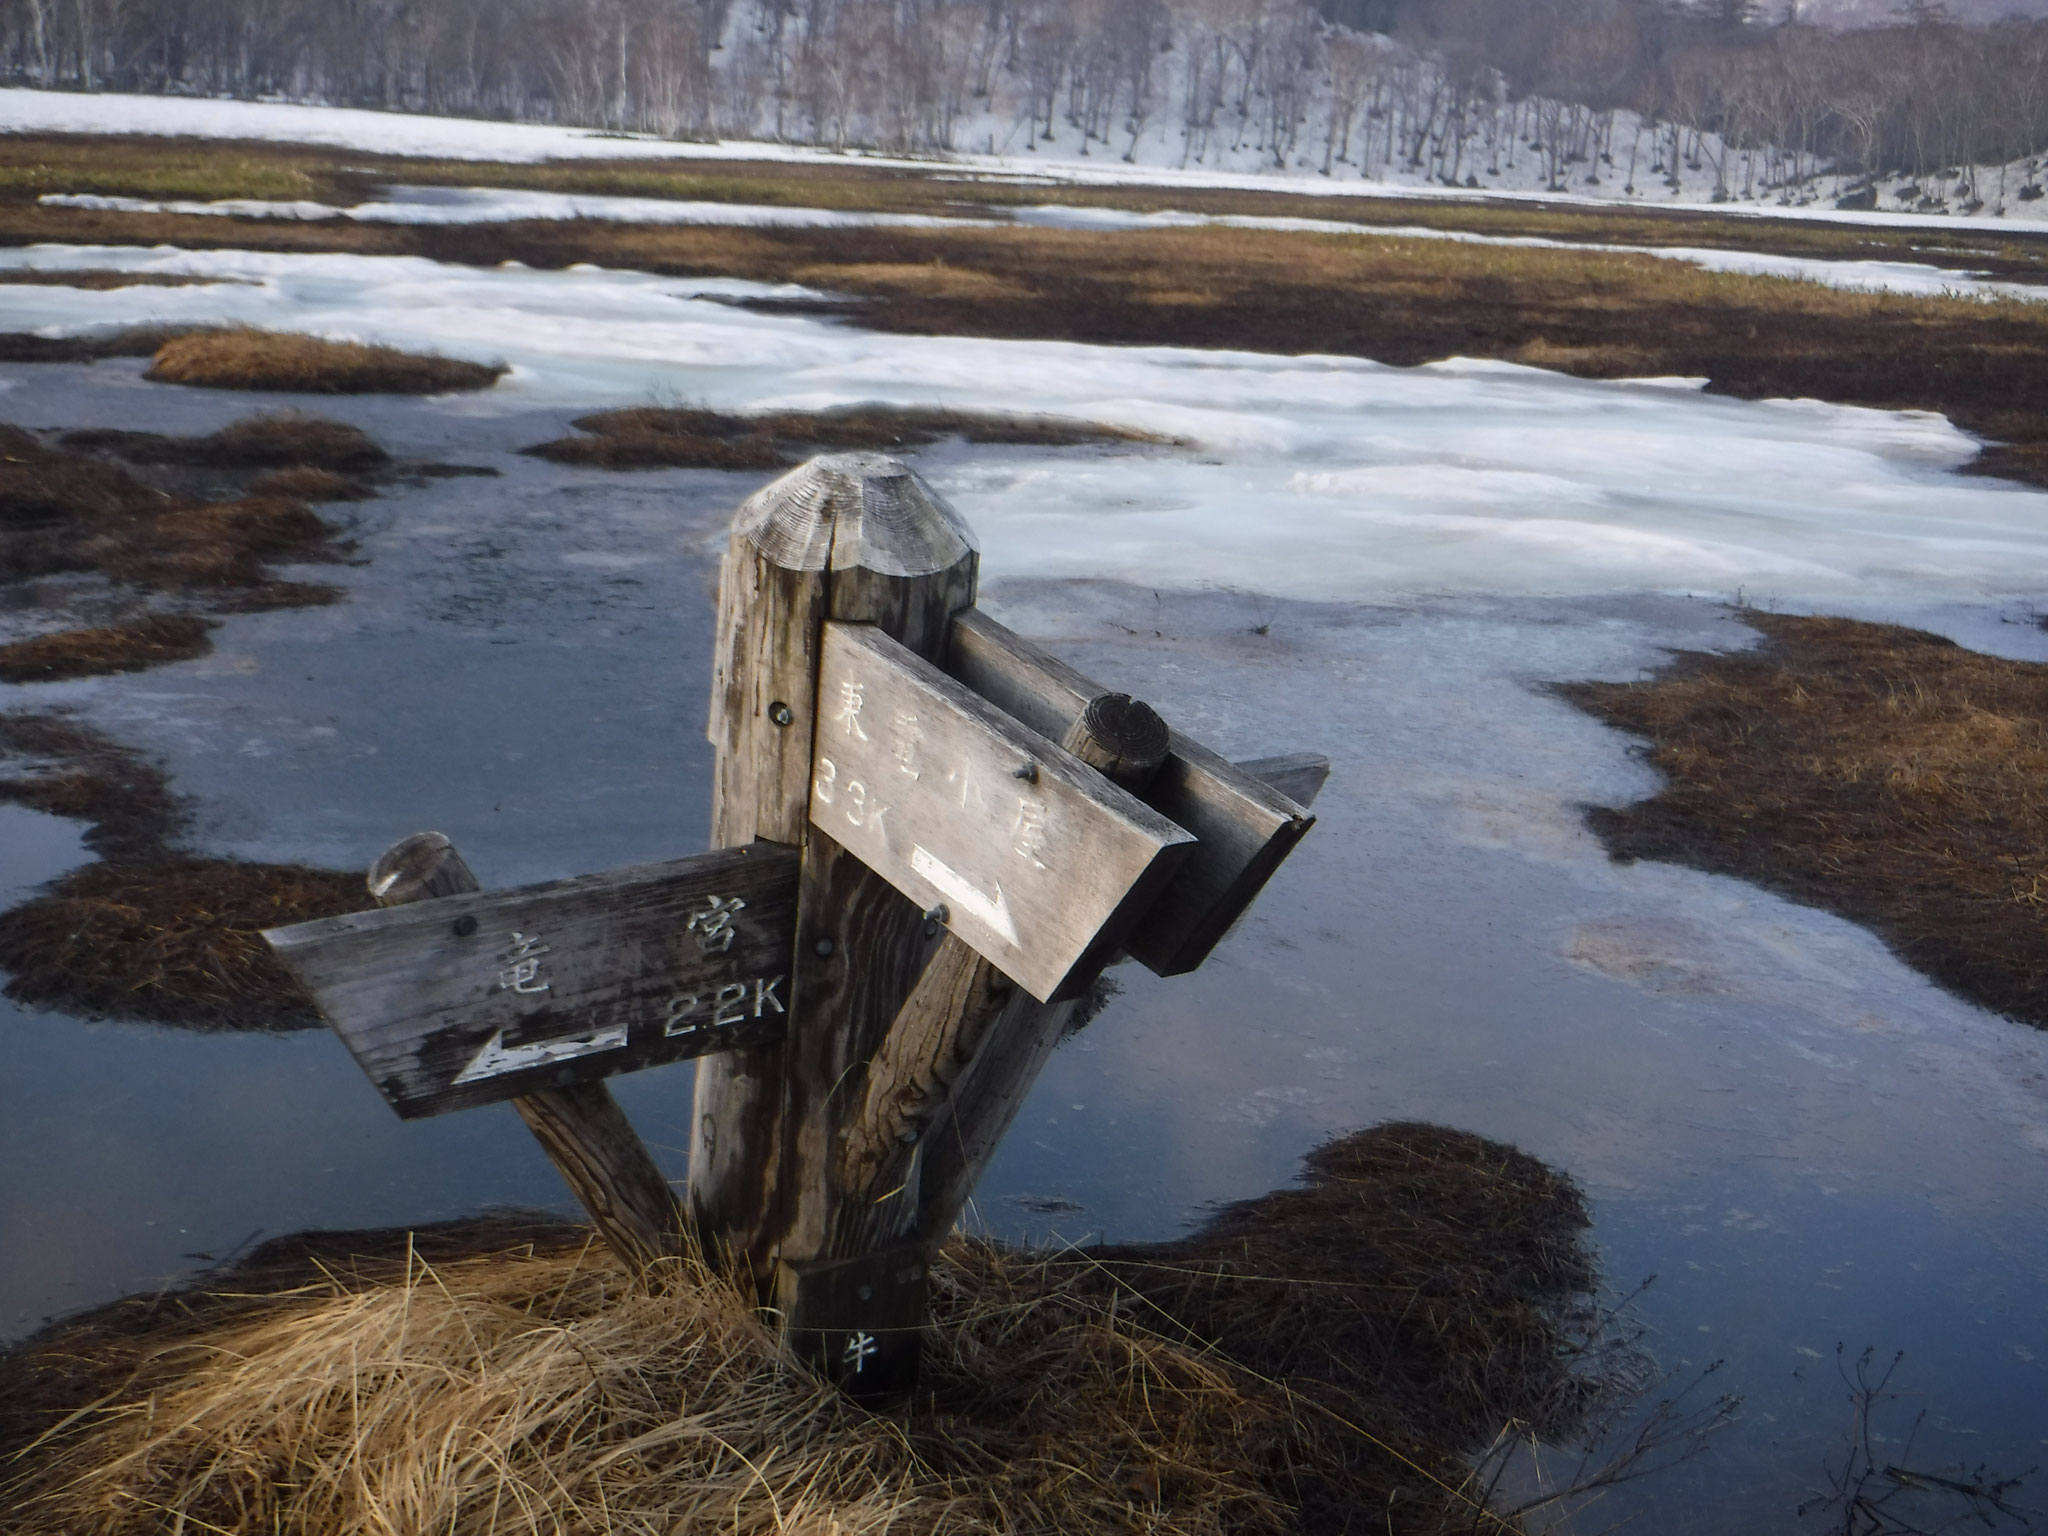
<point x="1880" y="773"/>
<point x="134" y="341"/>
<point x="53" y="764"/>
<point x="236" y="358"/>
<point x="651" y="437"/>
<point x="1319" y="1361"/>
<point x="114" y="648"/>
<point x="101" y="279"/>
<point x="275" y="440"/>
<point x="149" y="934"/>
<point x="174" y="942"/>
<point x="65" y="508"/>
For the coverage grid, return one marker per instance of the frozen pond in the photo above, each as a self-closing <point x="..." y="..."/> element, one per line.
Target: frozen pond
<point x="1803" y="1139"/>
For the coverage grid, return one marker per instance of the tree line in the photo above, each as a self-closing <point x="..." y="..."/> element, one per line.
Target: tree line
<point x="1640" y="94"/>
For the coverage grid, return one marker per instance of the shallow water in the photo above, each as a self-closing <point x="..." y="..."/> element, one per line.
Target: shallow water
<point x="1805" y="1141"/>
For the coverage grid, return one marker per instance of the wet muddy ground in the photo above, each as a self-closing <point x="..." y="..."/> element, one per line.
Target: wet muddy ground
<point x="1807" y="1142"/>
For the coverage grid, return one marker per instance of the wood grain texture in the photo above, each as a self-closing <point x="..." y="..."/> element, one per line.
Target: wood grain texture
<point x="1038" y="862"/>
<point x="610" y="1171"/>
<point x="855" y="537"/>
<point x="464" y="1000"/>
<point x="1244" y="827"/>
<point x="581" y="1128"/>
<point x="909" y="1095"/>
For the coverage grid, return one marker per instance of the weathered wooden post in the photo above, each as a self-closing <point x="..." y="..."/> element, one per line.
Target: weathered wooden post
<point x="855" y="538"/>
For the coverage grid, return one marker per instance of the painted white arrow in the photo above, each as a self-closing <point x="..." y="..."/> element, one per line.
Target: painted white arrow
<point x="496" y="1058"/>
<point x="993" y="913"/>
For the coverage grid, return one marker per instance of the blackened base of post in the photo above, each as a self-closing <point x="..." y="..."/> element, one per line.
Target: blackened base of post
<point x="859" y="1323"/>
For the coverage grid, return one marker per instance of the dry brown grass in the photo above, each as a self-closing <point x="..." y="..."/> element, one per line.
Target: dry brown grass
<point x="174" y="942"/>
<point x="135" y="341"/>
<point x="62" y="768"/>
<point x="275" y="360"/>
<point x="271" y="439"/>
<point x="1881" y="773"/>
<point x="308" y="482"/>
<point x="62" y="509"/>
<point x="650" y="437"/>
<point x="150" y="934"/>
<point x="930" y="279"/>
<point x="533" y="1388"/>
<point x="133" y="647"/>
<point x="141" y="166"/>
<point x="100" y="279"/>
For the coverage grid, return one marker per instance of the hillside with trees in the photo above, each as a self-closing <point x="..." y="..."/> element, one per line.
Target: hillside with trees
<point x="1651" y="98"/>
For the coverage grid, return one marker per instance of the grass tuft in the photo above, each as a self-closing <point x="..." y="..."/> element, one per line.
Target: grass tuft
<point x="520" y="1382"/>
<point x="649" y="437"/>
<point x="272" y="439"/>
<point x="174" y="942"/>
<point x="102" y="279"/>
<point x="1881" y="773"/>
<point x="272" y="360"/>
<point x="63" y="509"/>
<point x="133" y="647"/>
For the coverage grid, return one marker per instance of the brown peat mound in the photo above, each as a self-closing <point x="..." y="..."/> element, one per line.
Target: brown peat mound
<point x="1884" y="774"/>
<point x="1322" y="1360"/>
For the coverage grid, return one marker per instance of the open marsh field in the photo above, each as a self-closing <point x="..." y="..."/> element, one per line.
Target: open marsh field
<point x="1306" y="528"/>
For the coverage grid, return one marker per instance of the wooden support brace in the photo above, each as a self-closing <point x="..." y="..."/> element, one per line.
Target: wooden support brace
<point x="581" y="1128"/>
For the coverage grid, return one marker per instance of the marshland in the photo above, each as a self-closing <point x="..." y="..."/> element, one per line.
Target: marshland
<point x="1445" y="510"/>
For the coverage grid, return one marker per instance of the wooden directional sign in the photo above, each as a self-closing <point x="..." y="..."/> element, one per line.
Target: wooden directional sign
<point x="468" y="999"/>
<point x="1245" y="826"/>
<point x="1040" y="863"/>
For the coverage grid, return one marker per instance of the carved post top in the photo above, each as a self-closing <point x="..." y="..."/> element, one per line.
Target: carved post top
<point x="855" y="511"/>
<point x="418" y="868"/>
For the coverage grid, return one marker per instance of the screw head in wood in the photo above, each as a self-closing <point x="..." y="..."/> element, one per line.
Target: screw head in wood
<point x="465" y="925"/>
<point x="823" y="948"/>
<point x="780" y="713"/>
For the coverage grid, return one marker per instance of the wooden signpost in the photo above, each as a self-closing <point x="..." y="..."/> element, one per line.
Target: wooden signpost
<point x="931" y="837"/>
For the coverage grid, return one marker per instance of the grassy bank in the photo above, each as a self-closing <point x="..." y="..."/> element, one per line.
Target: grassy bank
<point x="1396" y="300"/>
<point x="1321" y="1360"/>
<point x="33" y="165"/>
<point x="1883" y="774"/>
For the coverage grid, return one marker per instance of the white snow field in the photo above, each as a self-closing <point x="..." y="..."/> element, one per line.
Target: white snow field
<point x="1313" y="477"/>
<point x="1155" y="161"/>
<point x="496" y="205"/>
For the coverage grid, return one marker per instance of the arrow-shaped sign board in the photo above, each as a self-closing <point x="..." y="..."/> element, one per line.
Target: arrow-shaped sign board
<point x="464" y="1000"/>
<point x="1040" y="863"/>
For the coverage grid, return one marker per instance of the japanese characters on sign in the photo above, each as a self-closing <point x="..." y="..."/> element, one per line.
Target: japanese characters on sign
<point x="1039" y="862"/>
<point x="469" y="999"/>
